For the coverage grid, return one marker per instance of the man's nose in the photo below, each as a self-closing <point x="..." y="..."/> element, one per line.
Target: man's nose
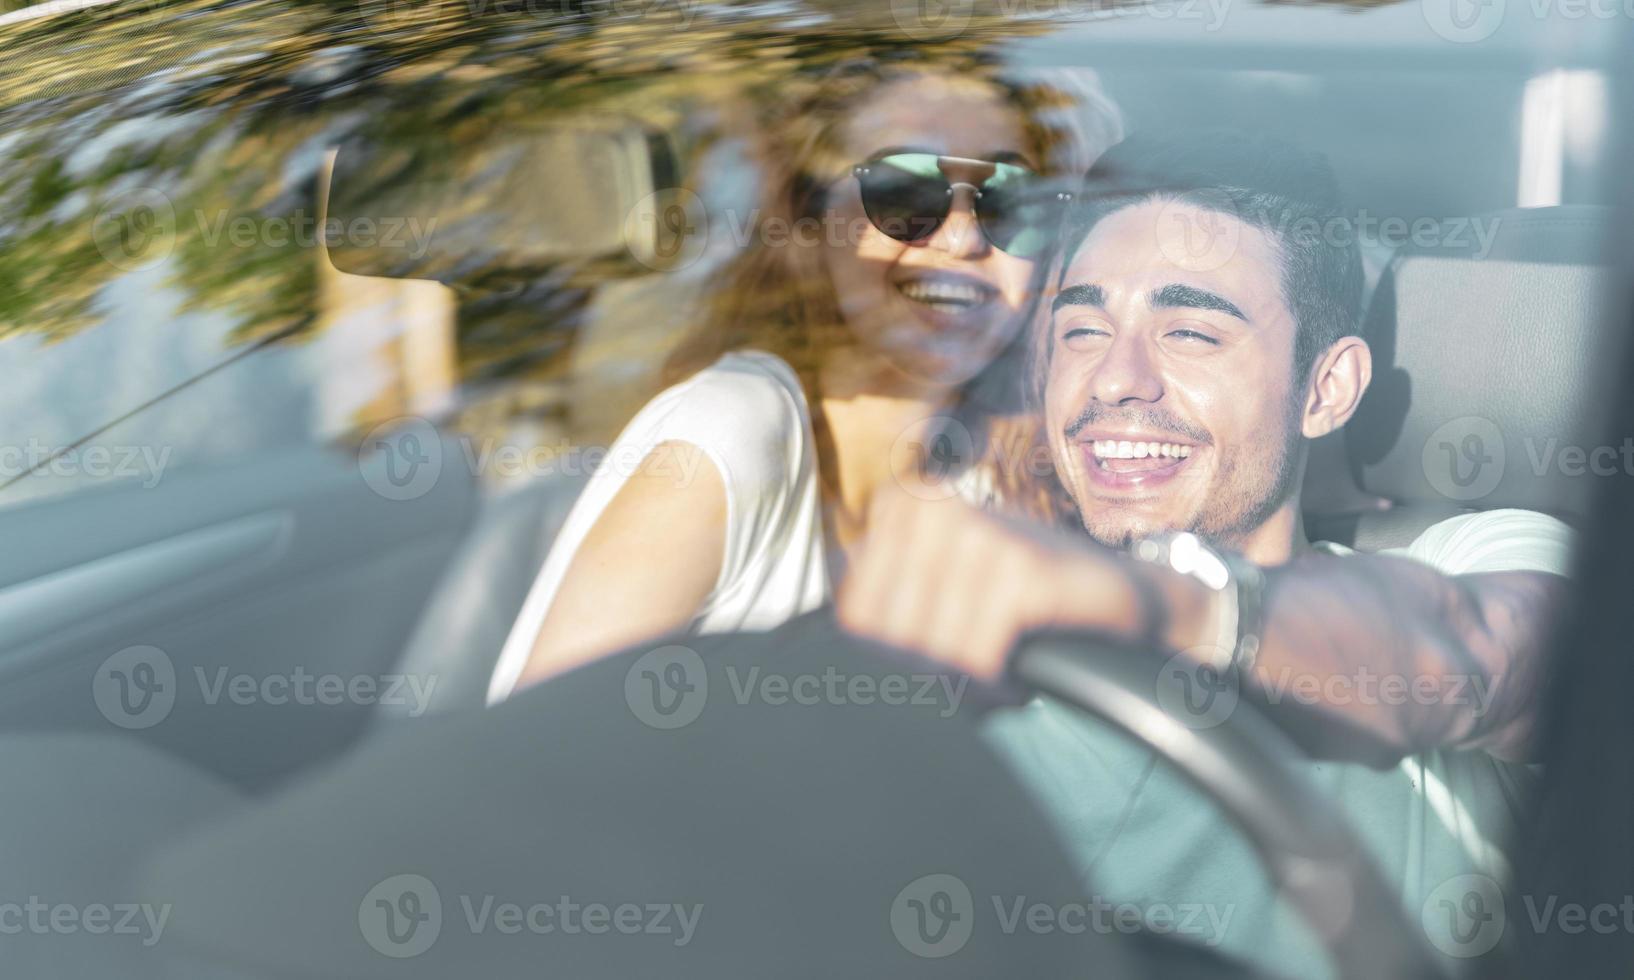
<point x="959" y="234"/>
<point x="1128" y="372"/>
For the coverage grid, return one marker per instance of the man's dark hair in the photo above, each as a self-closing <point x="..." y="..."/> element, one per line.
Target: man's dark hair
<point x="1286" y="192"/>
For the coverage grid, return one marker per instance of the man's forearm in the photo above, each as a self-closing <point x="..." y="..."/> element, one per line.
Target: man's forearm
<point x="1408" y="657"/>
<point x="1364" y="657"/>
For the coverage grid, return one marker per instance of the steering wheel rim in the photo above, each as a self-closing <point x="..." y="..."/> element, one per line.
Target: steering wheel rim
<point x="1246" y="764"/>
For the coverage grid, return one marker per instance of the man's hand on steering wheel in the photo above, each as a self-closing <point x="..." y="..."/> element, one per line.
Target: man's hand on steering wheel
<point x="960" y="585"/>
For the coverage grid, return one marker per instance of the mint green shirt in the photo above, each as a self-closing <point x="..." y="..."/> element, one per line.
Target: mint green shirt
<point x="1144" y="841"/>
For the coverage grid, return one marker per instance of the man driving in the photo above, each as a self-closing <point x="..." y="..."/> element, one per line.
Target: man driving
<point x="1201" y="334"/>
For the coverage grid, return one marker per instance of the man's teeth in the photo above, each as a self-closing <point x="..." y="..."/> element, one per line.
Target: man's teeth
<point x="1115" y="449"/>
<point x="946" y="293"/>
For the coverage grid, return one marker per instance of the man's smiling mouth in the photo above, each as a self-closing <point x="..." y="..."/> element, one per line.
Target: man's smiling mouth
<point x="1124" y="449"/>
<point x="1123" y="465"/>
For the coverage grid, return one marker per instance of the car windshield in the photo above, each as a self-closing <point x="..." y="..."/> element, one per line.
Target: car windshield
<point x="380" y="363"/>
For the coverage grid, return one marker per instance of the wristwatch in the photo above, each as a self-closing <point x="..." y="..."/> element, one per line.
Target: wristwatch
<point x="1238" y="582"/>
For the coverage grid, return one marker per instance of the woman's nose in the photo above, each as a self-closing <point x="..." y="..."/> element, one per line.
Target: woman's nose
<point x="960" y="234"/>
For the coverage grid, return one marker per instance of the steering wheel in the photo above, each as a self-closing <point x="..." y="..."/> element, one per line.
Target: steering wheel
<point x="1235" y="755"/>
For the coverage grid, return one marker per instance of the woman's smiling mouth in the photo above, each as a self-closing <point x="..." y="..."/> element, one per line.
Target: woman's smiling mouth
<point x="947" y="294"/>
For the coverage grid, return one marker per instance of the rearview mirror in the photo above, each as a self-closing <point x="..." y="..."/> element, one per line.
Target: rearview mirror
<point x="461" y="208"/>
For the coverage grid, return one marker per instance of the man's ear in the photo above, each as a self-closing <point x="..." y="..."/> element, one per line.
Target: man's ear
<point x="1338" y="380"/>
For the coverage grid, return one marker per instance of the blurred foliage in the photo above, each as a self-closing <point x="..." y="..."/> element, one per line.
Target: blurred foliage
<point x="143" y="131"/>
<point x="192" y="115"/>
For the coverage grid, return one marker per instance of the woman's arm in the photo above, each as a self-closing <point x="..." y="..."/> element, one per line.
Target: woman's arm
<point x="646" y="567"/>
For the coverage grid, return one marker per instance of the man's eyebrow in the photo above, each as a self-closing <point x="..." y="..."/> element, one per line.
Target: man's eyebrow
<point x="1083" y="294"/>
<point x="1180" y="296"/>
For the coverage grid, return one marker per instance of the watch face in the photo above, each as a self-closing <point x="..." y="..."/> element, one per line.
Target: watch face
<point x="1185" y="553"/>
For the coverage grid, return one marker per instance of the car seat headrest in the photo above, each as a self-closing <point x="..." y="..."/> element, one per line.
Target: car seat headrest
<point x="1484" y="351"/>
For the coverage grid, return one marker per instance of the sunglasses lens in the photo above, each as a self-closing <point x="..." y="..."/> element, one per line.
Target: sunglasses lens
<point x="1018" y="214"/>
<point x="905" y="196"/>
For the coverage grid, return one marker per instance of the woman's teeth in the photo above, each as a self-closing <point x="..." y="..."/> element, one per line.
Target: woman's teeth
<point x="1115" y="449"/>
<point x="947" y="295"/>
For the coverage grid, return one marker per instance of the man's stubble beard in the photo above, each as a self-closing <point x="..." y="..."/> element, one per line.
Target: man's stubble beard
<point x="1230" y="512"/>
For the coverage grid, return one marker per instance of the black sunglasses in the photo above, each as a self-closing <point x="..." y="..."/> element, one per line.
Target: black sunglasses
<point x="907" y="196"/>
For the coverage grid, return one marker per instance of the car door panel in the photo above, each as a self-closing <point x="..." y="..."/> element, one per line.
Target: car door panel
<point x="256" y="575"/>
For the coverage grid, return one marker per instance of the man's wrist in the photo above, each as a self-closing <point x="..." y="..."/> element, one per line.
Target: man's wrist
<point x="1194" y="612"/>
<point x="1223" y="630"/>
<point x="1189" y="610"/>
<point x="1139" y="602"/>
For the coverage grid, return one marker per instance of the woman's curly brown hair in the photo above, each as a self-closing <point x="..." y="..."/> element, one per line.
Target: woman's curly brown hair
<point x="777" y="297"/>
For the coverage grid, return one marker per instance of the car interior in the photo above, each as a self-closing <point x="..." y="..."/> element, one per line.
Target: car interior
<point x="539" y="314"/>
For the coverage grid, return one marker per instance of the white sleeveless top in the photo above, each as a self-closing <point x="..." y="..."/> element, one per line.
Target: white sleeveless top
<point x="749" y="416"/>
